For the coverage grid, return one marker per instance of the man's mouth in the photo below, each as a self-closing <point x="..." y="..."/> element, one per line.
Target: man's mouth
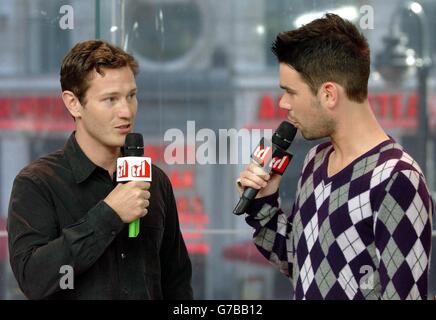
<point x="124" y="126"/>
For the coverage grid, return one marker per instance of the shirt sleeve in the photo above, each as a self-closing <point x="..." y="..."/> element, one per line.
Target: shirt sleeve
<point x="38" y="249"/>
<point x="272" y="232"/>
<point x="175" y="262"/>
<point x="403" y="230"/>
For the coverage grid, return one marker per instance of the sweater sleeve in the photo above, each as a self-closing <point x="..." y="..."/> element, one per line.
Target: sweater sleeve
<point x="272" y="232"/>
<point x="403" y="228"/>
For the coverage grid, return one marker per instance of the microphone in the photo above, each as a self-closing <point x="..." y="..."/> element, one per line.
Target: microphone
<point x="133" y="166"/>
<point x="272" y="157"/>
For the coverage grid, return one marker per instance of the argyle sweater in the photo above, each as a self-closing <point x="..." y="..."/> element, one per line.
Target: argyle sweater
<point x="364" y="233"/>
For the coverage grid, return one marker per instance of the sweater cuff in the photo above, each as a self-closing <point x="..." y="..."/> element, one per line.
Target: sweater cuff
<point x="258" y="203"/>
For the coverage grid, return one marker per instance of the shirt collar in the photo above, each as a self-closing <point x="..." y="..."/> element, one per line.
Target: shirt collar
<point x="80" y="164"/>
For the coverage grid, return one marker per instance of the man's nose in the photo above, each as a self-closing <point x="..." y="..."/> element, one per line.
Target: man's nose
<point x="284" y="103"/>
<point x="125" y="110"/>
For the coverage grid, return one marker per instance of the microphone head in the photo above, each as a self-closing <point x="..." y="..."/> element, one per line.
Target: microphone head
<point x="284" y="135"/>
<point x="134" y="145"/>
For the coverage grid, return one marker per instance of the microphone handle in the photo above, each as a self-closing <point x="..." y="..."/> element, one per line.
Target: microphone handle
<point x="134" y="225"/>
<point x="134" y="228"/>
<point x="248" y="195"/>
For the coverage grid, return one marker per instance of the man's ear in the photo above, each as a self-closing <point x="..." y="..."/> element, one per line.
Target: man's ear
<point x="329" y="94"/>
<point x="72" y="103"/>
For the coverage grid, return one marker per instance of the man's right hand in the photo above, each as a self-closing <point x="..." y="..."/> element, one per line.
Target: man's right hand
<point x="130" y="200"/>
<point x="256" y="177"/>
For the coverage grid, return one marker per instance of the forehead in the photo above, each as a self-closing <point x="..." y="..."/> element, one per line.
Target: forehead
<point x="289" y="75"/>
<point x="119" y="79"/>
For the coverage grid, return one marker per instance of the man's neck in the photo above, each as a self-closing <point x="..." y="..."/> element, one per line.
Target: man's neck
<point x="100" y="155"/>
<point x="356" y="133"/>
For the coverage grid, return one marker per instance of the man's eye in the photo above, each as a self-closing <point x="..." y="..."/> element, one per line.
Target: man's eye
<point x="110" y="99"/>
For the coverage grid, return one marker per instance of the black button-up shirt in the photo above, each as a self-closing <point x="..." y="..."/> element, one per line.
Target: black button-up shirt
<point x="57" y="217"/>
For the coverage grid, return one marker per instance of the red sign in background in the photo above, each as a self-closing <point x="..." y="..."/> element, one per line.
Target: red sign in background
<point x="48" y="113"/>
<point x="393" y="110"/>
<point x="44" y="113"/>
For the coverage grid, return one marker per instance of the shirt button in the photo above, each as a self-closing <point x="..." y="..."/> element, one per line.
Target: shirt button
<point x="123" y="256"/>
<point x="125" y="291"/>
<point x="113" y="233"/>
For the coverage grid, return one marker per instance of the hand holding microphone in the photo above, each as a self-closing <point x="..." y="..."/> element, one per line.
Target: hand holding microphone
<point x="254" y="176"/>
<point x="270" y="160"/>
<point x="130" y="198"/>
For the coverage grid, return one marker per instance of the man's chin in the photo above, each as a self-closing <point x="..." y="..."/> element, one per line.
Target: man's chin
<point x="118" y="141"/>
<point x="310" y="136"/>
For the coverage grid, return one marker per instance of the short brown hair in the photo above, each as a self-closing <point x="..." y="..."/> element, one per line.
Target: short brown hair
<point x="86" y="56"/>
<point x="327" y="49"/>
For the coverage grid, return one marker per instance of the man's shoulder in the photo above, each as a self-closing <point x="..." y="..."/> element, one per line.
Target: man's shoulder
<point x="394" y="158"/>
<point x="44" y="166"/>
<point x="393" y="164"/>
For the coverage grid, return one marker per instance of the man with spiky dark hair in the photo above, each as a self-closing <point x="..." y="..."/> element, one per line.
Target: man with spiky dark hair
<point x="360" y="227"/>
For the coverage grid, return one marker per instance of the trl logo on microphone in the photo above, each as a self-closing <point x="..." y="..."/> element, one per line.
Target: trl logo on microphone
<point x="271" y="158"/>
<point x="262" y="154"/>
<point x="133" y="169"/>
<point x="278" y="165"/>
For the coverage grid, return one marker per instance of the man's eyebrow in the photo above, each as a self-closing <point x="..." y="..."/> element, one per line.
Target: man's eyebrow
<point x="286" y="88"/>
<point x="114" y="93"/>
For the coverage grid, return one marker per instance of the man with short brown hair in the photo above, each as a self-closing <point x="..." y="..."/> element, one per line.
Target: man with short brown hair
<point x="66" y="211"/>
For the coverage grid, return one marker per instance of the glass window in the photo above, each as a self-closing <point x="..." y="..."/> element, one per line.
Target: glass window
<point x="207" y="76"/>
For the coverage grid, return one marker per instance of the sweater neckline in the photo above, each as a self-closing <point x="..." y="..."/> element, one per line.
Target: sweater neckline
<point x="350" y="166"/>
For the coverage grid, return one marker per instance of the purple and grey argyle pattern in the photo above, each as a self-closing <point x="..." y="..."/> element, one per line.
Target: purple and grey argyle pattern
<point x="364" y="233"/>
